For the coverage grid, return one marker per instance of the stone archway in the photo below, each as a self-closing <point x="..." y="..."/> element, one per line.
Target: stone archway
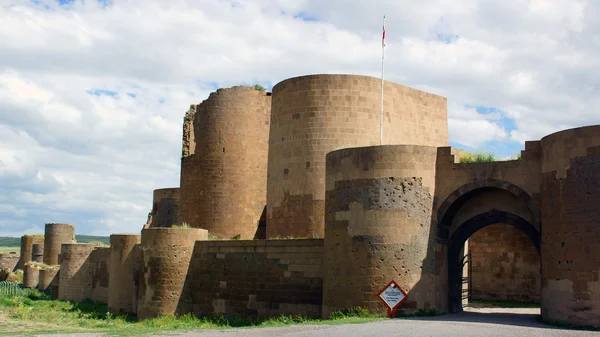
<point x="457" y="241"/>
<point x="449" y="207"/>
<point x="454" y="229"/>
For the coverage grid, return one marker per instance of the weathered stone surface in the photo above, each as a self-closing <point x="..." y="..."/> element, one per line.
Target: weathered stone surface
<point x="258" y="278"/>
<point x="378" y="228"/>
<point x="123" y="273"/>
<point x="27" y="242"/>
<point x="313" y="115"/>
<point x="54" y="236"/>
<point x="166" y="255"/>
<point x="165" y="208"/>
<point x="505" y="265"/>
<point x="223" y="181"/>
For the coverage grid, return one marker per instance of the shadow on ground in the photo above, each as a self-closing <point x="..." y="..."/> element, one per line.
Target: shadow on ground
<point x="525" y="317"/>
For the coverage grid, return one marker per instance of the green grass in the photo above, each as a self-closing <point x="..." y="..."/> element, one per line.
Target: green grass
<point x="483" y="157"/>
<point x="477" y="157"/>
<point x="6" y="250"/>
<point x="33" y="312"/>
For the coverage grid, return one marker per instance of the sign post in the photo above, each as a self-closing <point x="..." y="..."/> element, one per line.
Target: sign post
<point x="392" y="295"/>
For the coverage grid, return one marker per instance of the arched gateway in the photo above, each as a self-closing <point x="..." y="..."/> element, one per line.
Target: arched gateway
<point x="462" y="214"/>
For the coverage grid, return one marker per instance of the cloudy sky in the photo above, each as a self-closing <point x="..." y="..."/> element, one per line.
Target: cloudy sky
<point x="93" y="93"/>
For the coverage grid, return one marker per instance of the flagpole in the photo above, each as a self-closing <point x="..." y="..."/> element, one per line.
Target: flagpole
<point x="381" y="113"/>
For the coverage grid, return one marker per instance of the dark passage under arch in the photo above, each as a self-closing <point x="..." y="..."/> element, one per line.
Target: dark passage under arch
<point x="457" y="241"/>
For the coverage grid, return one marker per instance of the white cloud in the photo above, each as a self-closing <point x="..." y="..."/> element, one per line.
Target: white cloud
<point x="69" y="155"/>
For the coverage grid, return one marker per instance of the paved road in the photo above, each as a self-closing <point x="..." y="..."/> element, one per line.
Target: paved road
<point x="477" y="322"/>
<point x="474" y="323"/>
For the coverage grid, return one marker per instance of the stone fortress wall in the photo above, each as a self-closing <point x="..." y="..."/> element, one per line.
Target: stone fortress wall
<point x="165" y="208"/>
<point x="505" y="265"/>
<point x="224" y="167"/>
<point x="313" y="115"/>
<point x="378" y="227"/>
<point x="345" y="215"/>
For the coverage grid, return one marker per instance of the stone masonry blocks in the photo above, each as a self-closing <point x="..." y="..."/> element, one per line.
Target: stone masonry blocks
<point x="505" y="265"/>
<point x="75" y="277"/>
<point x="124" y="256"/>
<point x="313" y="115"/>
<point x="571" y="227"/>
<point x="166" y="255"/>
<point x="165" y="207"/>
<point x="27" y="242"/>
<point x="223" y="183"/>
<point x="258" y="278"/>
<point x="54" y="236"/>
<point x="378" y="227"/>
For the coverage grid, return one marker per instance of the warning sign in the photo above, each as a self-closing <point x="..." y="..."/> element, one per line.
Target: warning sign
<point x="392" y="295"/>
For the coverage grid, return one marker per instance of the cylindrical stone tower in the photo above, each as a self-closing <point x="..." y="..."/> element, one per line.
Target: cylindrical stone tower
<point x="165" y="207"/>
<point x="166" y="256"/>
<point x="378" y="228"/>
<point x="31" y="276"/>
<point x="37" y="252"/>
<point x="122" y="288"/>
<point x="75" y="277"/>
<point x="313" y="115"/>
<point x="571" y="226"/>
<point x="47" y="276"/>
<point x="27" y="242"/>
<point x="55" y="235"/>
<point x="223" y="181"/>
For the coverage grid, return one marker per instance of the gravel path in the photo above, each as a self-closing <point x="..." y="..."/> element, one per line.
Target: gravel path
<point x="476" y="322"/>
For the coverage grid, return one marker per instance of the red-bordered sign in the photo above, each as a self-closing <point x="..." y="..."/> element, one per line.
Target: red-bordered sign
<point x="392" y="296"/>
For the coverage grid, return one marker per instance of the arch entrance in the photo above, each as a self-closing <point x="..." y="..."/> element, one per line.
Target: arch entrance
<point x="474" y="207"/>
<point x="457" y="242"/>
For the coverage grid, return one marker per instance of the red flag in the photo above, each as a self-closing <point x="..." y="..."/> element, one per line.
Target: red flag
<point x="383" y="36"/>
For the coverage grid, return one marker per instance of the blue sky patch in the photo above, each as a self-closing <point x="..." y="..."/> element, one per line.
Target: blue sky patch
<point x="131" y="95"/>
<point x="507" y="123"/>
<point x="100" y="92"/>
<point x="500" y="149"/>
<point x="447" y="38"/>
<point x="306" y="17"/>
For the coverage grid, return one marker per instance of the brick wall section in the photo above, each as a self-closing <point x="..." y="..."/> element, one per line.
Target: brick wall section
<point x="223" y="184"/>
<point x="166" y="255"/>
<point x="83" y="273"/>
<point x="379" y="229"/>
<point x="505" y="265"/>
<point x="75" y="276"/>
<point x="8" y="261"/>
<point x="165" y="207"/>
<point x="47" y="277"/>
<point x="99" y="260"/>
<point x="258" y="278"/>
<point x="313" y="115"/>
<point x="560" y="147"/>
<point x="27" y="242"/>
<point x="571" y="243"/>
<point x="451" y="174"/>
<point x="123" y="268"/>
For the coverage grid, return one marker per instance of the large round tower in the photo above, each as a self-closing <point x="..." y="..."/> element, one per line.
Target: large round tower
<point x="224" y="164"/>
<point x="571" y="226"/>
<point x="378" y="227"/>
<point x="313" y="115"/>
